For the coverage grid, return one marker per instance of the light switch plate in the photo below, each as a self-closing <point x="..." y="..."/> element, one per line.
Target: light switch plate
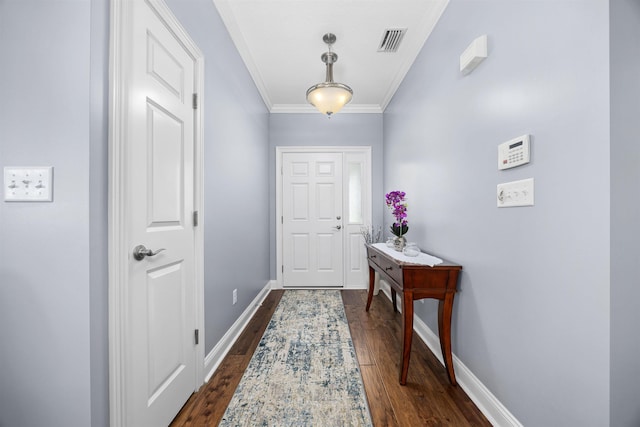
<point x="28" y="184"/>
<point x="515" y="193"/>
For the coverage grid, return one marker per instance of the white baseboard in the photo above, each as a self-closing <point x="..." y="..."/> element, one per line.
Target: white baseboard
<point x="360" y="286"/>
<point x="215" y="356"/>
<point x="357" y="287"/>
<point x="497" y="414"/>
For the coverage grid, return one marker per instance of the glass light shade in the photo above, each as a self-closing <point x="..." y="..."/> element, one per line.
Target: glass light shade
<point x="329" y="97"/>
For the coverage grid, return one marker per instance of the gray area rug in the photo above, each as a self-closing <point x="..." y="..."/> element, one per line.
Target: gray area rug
<point x="304" y="371"/>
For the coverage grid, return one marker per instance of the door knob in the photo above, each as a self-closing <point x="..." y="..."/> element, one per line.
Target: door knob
<point x="338" y="217"/>
<point x="140" y="252"/>
<point x="338" y="227"/>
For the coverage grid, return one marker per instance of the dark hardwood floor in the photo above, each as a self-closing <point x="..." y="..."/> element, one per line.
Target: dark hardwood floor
<point x="426" y="400"/>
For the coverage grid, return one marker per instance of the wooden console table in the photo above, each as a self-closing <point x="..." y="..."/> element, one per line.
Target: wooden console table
<point x="417" y="282"/>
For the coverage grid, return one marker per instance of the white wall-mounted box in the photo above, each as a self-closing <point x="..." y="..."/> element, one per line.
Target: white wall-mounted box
<point x="514" y="152"/>
<point x="473" y="55"/>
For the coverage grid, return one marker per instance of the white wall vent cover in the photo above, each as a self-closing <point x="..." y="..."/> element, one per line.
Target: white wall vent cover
<point x="473" y="55"/>
<point x="391" y="39"/>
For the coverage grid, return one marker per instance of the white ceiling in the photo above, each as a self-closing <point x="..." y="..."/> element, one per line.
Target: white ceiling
<point x="280" y="42"/>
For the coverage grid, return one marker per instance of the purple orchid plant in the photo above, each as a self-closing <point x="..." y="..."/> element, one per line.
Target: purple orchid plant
<point x="395" y="201"/>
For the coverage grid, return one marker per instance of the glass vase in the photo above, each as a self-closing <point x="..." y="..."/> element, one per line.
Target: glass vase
<point x="399" y="242"/>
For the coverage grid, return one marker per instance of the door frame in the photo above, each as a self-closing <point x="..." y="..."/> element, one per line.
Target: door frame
<point x="366" y="195"/>
<point x="119" y="252"/>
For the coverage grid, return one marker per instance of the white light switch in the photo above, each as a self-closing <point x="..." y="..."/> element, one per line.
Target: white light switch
<point x="28" y="184"/>
<point x="515" y="193"/>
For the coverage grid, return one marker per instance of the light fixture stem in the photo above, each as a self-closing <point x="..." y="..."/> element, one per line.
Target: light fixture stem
<point x="329" y="58"/>
<point x="329" y="77"/>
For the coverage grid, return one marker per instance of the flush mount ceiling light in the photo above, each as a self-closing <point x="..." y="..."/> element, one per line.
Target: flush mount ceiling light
<point x="329" y="97"/>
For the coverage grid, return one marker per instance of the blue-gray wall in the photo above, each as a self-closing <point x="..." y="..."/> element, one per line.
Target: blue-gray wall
<point x="531" y="319"/>
<point x="236" y="139"/>
<point x="317" y="130"/>
<point x="625" y="212"/>
<point x="45" y="291"/>
<point x="98" y="212"/>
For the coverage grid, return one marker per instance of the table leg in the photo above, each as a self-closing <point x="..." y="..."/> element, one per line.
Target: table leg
<point x="376" y="284"/>
<point x="445" y="308"/>
<point x="407" y="334"/>
<point x="371" y="286"/>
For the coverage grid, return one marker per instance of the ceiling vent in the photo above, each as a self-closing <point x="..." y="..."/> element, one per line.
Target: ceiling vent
<point x="391" y="39"/>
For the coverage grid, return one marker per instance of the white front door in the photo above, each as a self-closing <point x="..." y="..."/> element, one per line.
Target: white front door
<point x="159" y="302"/>
<point x="350" y="176"/>
<point x="312" y="220"/>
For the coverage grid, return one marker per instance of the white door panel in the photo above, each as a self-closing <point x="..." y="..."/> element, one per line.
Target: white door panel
<point x="159" y="139"/>
<point x="312" y="242"/>
<point x="166" y="167"/>
<point x="162" y="288"/>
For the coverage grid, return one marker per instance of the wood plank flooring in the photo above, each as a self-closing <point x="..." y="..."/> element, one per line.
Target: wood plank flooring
<point x="426" y="400"/>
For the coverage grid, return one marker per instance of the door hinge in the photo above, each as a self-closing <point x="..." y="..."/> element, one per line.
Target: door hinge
<point x="197" y="336"/>
<point x="195" y="101"/>
<point x="283" y="268"/>
<point x="195" y="218"/>
<point x="282" y="220"/>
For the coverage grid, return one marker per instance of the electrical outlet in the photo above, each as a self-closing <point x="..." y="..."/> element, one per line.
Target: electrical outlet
<point x="235" y="296"/>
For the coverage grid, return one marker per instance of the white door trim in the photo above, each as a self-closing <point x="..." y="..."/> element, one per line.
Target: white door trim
<point x="367" y="193"/>
<point x="119" y="253"/>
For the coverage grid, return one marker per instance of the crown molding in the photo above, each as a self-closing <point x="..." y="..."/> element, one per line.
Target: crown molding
<point x="308" y="109"/>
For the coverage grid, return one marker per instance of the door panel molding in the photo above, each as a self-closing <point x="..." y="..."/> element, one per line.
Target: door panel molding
<point x="119" y="177"/>
<point x="355" y="270"/>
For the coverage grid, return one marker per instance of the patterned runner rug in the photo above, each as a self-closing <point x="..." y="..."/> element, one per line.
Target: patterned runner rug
<point x="304" y="372"/>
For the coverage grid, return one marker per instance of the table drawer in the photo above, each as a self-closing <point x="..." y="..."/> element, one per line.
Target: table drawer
<point x="394" y="271"/>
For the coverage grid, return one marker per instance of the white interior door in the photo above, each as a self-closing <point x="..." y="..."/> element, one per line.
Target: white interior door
<point x="162" y="160"/>
<point x="312" y="220"/>
<point x="158" y="316"/>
